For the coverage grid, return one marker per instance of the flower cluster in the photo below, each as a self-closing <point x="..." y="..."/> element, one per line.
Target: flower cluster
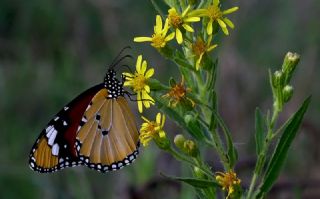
<point x="138" y="81"/>
<point x="152" y="130"/>
<point x="228" y="181"/>
<point x="178" y="24"/>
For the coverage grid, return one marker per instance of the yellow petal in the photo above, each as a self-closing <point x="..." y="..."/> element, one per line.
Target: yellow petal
<point x="187" y="27"/>
<point x="147" y="88"/>
<point x="231" y="10"/>
<point x="223" y="26"/>
<point x="221" y="23"/>
<point x="143" y="67"/>
<point x="209" y="27"/>
<point x="169" y="37"/>
<point x="149" y="73"/>
<point x="185" y="11"/>
<point x="145" y="119"/>
<point x="146" y="103"/>
<point x="158" y="27"/>
<point x="138" y="63"/>
<point x="126" y="83"/>
<point x="163" y="120"/>
<point x="192" y="19"/>
<point x="162" y="134"/>
<point x="127" y="74"/>
<point x="199" y="61"/>
<point x="158" y="118"/>
<point x="212" y="47"/>
<point x="165" y="28"/>
<point x="142" y="39"/>
<point x="139" y="102"/>
<point x="216" y="2"/>
<point x="179" y="36"/>
<point x="228" y="22"/>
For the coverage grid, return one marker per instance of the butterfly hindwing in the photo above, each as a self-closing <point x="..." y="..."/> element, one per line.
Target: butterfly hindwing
<point x="108" y="138"/>
<point x="55" y="147"/>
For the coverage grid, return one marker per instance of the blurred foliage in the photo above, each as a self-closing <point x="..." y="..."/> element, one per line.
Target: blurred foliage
<point x="50" y="51"/>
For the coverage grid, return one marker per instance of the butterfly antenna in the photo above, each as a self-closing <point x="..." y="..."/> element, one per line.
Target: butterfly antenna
<point x="127" y="67"/>
<point x="119" y="60"/>
<point x="116" y="59"/>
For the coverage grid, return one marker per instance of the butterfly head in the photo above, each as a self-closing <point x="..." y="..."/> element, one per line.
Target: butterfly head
<point x="114" y="86"/>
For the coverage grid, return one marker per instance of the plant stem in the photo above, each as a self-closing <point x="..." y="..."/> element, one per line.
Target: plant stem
<point x="261" y="158"/>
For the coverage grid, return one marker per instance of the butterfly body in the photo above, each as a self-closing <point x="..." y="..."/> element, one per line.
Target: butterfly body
<point x="96" y="129"/>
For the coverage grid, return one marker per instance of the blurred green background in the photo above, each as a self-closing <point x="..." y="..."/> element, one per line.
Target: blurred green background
<point x="51" y="50"/>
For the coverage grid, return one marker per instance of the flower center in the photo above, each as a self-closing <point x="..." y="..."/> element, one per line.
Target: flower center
<point x="199" y="47"/>
<point x="214" y="12"/>
<point x="138" y="82"/>
<point x="157" y="41"/>
<point x="174" y="19"/>
<point x="178" y="92"/>
<point x="227" y="180"/>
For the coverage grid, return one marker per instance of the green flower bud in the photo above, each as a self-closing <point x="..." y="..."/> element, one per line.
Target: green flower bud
<point x="191" y="148"/>
<point x="198" y="172"/>
<point x="289" y="65"/>
<point x="277" y="79"/>
<point x="179" y="141"/>
<point x="188" y="118"/>
<point x="287" y="93"/>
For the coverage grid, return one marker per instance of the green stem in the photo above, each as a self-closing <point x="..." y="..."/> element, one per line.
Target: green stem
<point x="261" y="158"/>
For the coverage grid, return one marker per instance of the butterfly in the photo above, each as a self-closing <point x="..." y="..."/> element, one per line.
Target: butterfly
<point x="96" y="129"/>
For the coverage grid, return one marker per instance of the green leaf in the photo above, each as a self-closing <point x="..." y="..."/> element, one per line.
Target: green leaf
<point x="260" y="130"/>
<point x="198" y="183"/>
<point x="231" y="150"/>
<point x="281" y="151"/>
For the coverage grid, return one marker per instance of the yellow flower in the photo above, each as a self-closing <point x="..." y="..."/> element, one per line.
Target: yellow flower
<point x="152" y="129"/>
<point x="199" y="48"/>
<point x="214" y="13"/>
<point x="177" y="94"/>
<point x="139" y="83"/>
<point x="228" y="181"/>
<point x="178" y="22"/>
<point x="159" y="39"/>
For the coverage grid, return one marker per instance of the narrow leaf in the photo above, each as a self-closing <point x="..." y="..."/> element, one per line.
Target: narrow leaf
<point x="281" y="151"/>
<point x="259" y="130"/>
<point x="231" y="150"/>
<point x="198" y="183"/>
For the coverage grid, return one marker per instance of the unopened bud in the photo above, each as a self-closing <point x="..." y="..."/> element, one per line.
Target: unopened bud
<point x="277" y="79"/>
<point x="179" y="141"/>
<point x="188" y="118"/>
<point x="198" y="172"/>
<point x="191" y="148"/>
<point x="287" y="93"/>
<point x="289" y="65"/>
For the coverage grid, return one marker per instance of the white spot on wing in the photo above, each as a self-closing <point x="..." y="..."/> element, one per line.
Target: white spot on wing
<point x="64" y="123"/>
<point x="52" y="136"/>
<point x="55" y="149"/>
<point x="56" y="118"/>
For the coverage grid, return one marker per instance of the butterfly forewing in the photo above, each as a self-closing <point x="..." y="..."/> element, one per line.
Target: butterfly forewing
<point x="54" y="149"/>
